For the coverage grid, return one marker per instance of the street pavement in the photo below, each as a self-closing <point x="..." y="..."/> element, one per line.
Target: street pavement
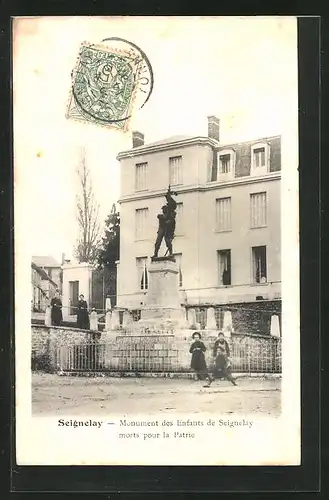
<point x="69" y="395"/>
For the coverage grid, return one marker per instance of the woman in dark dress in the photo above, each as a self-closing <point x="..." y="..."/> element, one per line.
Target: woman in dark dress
<point x="221" y="354"/>
<point x="198" y="361"/>
<point x="56" y="310"/>
<point x="83" y="315"/>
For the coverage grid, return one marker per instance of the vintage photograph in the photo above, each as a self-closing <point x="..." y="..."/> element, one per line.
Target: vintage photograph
<point x="155" y="251"/>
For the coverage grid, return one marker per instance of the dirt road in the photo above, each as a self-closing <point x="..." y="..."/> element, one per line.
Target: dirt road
<point x="60" y="395"/>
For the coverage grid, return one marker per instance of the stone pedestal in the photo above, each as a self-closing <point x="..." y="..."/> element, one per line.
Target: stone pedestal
<point x="162" y="296"/>
<point x="162" y="309"/>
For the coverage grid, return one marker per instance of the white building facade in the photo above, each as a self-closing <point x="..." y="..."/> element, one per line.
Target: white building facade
<point x="228" y="231"/>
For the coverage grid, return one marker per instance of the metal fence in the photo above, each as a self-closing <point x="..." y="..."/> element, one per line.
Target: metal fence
<point x="257" y="356"/>
<point x="247" y="356"/>
<point x="81" y="357"/>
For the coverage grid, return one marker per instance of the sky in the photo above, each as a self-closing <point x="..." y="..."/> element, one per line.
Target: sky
<point x="241" y="69"/>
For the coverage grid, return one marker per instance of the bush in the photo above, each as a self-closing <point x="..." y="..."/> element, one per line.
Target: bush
<point x="42" y="363"/>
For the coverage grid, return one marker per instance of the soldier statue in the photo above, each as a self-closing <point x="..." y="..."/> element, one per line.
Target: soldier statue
<point x="167" y="224"/>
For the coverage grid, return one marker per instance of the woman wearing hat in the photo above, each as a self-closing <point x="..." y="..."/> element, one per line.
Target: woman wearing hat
<point x="83" y="321"/>
<point x="198" y="361"/>
<point x="56" y="310"/>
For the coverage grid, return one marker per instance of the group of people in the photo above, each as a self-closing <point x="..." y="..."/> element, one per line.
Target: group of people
<point x="221" y="360"/>
<point x="82" y="312"/>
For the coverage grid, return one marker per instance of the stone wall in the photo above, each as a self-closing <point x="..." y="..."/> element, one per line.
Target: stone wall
<point x="63" y="349"/>
<point x="247" y="317"/>
<point x="47" y="341"/>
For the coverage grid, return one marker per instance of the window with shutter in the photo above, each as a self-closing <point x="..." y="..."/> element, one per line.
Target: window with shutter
<point x="141" y="216"/>
<point x="175" y="170"/>
<point x="259" y="271"/>
<point x="223" y="214"/>
<point x="178" y="257"/>
<point x="258" y="209"/>
<point x="142" y="273"/>
<point x="224" y="267"/>
<point x="260" y="158"/>
<point x="179" y="230"/>
<point x="141" y="176"/>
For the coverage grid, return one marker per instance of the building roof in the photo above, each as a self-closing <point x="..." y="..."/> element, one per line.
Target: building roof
<point x="176" y="141"/>
<point x="42" y="273"/>
<point x="45" y="261"/>
<point x="179" y="138"/>
<point x="168" y="140"/>
<point x="165" y="144"/>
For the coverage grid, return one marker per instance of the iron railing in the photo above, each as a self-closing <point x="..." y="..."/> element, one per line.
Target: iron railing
<point x="247" y="355"/>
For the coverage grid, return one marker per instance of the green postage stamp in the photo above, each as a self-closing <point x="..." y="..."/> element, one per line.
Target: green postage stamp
<point x="105" y="85"/>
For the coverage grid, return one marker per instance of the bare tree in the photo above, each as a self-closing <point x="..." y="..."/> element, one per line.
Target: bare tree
<point x="86" y="249"/>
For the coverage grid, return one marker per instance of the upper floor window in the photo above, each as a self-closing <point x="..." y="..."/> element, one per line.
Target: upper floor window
<point x="223" y="214"/>
<point x="141" y="176"/>
<point x="260" y="157"/>
<point x="179" y="230"/>
<point x="223" y="165"/>
<point x="141" y="216"/>
<point x="142" y="273"/>
<point x="175" y="170"/>
<point x="258" y="209"/>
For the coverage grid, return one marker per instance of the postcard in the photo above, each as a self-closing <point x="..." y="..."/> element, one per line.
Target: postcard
<point x="156" y="240"/>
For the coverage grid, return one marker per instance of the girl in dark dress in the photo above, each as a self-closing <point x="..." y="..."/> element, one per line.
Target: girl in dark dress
<point x="56" y="310"/>
<point x="221" y="354"/>
<point x="83" y="315"/>
<point x="198" y="361"/>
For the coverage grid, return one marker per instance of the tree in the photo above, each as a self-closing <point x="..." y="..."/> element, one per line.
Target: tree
<point x="87" y="246"/>
<point x="109" y="253"/>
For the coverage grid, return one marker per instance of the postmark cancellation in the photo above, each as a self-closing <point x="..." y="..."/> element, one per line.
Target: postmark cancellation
<point x="106" y="82"/>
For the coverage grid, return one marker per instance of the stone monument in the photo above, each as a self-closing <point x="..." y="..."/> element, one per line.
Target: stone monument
<point x="162" y="308"/>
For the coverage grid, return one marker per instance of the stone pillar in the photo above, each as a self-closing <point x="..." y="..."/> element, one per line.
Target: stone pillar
<point x="115" y="320"/>
<point x="94" y="321"/>
<point x="191" y="317"/>
<point x="108" y="321"/>
<point x="127" y="319"/>
<point x="211" y="320"/>
<point x="275" y="326"/>
<point x="108" y="304"/>
<point x="227" y="324"/>
<point x="183" y="321"/>
<point x="48" y="316"/>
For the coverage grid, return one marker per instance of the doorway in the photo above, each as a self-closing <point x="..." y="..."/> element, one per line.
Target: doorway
<point x="74" y="296"/>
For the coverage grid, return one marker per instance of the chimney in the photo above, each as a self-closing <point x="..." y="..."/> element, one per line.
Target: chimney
<point x="213" y="128"/>
<point x="138" y="139"/>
